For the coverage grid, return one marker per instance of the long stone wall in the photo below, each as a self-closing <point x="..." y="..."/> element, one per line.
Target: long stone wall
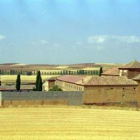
<point x="73" y="98"/>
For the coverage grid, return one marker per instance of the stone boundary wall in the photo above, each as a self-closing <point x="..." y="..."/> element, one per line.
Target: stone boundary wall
<point x="72" y="98"/>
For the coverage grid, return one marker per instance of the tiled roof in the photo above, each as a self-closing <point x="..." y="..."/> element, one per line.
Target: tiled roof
<point x="134" y="64"/>
<point x="111" y="72"/>
<point x="71" y="78"/>
<point x="51" y="79"/>
<point x="96" y="80"/>
<point x="110" y="80"/>
<point x="137" y="78"/>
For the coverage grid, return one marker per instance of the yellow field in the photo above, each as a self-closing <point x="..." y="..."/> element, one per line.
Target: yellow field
<point x="24" y="78"/>
<point x="91" y="69"/>
<point x="68" y="123"/>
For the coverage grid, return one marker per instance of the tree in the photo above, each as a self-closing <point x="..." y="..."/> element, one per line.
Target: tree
<point x="96" y="72"/>
<point x="69" y="72"/>
<point x="61" y="72"/>
<point x="38" y="82"/>
<point x="82" y="72"/>
<point x="18" y="82"/>
<point x="55" y="88"/>
<point x="100" y="71"/>
<point x="29" y="73"/>
<point x="77" y="72"/>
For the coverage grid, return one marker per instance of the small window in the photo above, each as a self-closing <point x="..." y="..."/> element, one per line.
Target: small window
<point x="123" y="96"/>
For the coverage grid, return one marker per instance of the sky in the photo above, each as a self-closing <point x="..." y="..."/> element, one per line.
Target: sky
<point x="69" y="31"/>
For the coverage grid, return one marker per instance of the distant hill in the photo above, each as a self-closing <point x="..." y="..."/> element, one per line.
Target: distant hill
<point x="29" y="67"/>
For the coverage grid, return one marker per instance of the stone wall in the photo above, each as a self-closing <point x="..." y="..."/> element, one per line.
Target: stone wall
<point x="110" y="95"/>
<point x="138" y="94"/>
<point x="72" y="98"/>
<point x="120" y="95"/>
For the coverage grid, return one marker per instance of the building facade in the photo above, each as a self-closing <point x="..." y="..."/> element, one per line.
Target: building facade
<point x="137" y="79"/>
<point x="101" y="90"/>
<point x="130" y="70"/>
<point x="48" y="84"/>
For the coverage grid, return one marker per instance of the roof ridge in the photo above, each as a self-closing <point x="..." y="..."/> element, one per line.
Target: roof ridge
<point x="110" y="80"/>
<point x="133" y="64"/>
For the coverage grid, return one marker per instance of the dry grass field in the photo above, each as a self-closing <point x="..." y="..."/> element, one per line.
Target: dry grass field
<point x="24" y="78"/>
<point x="69" y="123"/>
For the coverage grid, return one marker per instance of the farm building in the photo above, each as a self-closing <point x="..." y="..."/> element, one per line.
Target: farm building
<point x="130" y="70"/>
<point x="70" y="82"/>
<point x="99" y="90"/>
<point x="48" y="84"/>
<point x="137" y="78"/>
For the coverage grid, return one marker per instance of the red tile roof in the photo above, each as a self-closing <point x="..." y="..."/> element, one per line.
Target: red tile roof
<point x="70" y="78"/>
<point x="112" y="72"/>
<point x="110" y="80"/>
<point x="132" y="65"/>
<point x="95" y="80"/>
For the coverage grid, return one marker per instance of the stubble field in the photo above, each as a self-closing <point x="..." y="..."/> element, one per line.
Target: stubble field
<point x="68" y="123"/>
<point x="24" y="78"/>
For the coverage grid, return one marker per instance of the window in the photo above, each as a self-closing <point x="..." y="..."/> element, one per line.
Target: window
<point x="123" y="96"/>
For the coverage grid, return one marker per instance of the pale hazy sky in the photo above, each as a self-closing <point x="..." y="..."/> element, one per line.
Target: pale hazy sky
<point x="69" y="31"/>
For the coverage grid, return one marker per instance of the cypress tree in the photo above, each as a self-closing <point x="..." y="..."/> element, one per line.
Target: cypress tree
<point x="77" y="72"/>
<point x="82" y="72"/>
<point x="97" y="72"/>
<point x="100" y="71"/>
<point x="18" y="82"/>
<point x="38" y="82"/>
<point x="66" y="72"/>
